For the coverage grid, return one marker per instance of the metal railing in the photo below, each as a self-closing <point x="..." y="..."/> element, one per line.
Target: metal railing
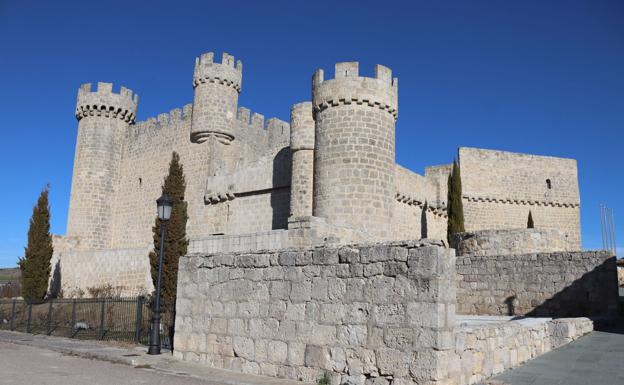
<point x="114" y="319"/>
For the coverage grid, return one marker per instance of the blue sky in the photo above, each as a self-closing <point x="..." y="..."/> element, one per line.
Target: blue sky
<point x="541" y="77"/>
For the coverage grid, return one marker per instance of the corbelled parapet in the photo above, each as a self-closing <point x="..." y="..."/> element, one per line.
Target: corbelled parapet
<point x="104" y="102"/>
<point x="229" y="72"/>
<point x="348" y="87"/>
<point x="217" y="86"/>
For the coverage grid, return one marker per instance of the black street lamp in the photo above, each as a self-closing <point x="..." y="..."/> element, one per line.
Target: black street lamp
<point x="164" y="204"/>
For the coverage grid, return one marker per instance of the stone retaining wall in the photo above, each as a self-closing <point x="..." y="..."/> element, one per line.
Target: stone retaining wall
<point x="363" y="314"/>
<point x="273" y="239"/>
<point x="562" y="284"/>
<point x="511" y="241"/>
<point x="482" y="351"/>
<point x="87" y="273"/>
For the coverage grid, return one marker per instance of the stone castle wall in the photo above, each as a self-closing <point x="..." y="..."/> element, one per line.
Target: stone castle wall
<point x="364" y="314"/>
<point x="513" y="241"/>
<point x="121" y="272"/>
<point x="413" y="192"/>
<point x="332" y="180"/>
<point x="145" y="164"/>
<point x="499" y="188"/>
<point x="268" y="240"/>
<point x="563" y="284"/>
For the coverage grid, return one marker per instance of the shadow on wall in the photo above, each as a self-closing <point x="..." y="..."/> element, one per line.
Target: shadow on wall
<point x="559" y="284"/>
<point x="280" y="196"/>
<point x="423" y="221"/>
<point x="55" y="283"/>
<point x="595" y="293"/>
<point x="512" y="303"/>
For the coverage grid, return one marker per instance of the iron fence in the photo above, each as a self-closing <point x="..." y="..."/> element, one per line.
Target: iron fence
<point x="115" y="319"/>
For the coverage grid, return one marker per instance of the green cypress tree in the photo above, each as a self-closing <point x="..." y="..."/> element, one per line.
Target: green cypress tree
<point x="175" y="236"/>
<point x="455" y="207"/>
<point x="35" y="265"/>
<point x="530" y="224"/>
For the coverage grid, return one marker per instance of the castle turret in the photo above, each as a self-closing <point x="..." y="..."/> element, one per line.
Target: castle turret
<point x="302" y="148"/>
<point x="217" y="86"/>
<point x="103" y="119"/>
<point x="354" y="157"/>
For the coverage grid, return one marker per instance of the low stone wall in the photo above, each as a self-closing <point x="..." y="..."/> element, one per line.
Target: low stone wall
<point x="511" y="241"/>
<point x="363" y="314"/>
<point x="485" y="347"/>
<point x="562" y="284"/>
<point x="90" y="273"/>
<point x="274" y="239"/>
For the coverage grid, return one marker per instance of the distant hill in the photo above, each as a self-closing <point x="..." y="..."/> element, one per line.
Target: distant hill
<point x="9" y="275"/>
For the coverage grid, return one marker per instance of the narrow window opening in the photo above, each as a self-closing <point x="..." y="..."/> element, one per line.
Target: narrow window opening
<point x="140" y="182"/>
<point x="548" y="184"/>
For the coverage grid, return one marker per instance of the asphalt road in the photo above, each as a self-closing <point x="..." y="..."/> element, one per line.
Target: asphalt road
<point x="29" y="365"/>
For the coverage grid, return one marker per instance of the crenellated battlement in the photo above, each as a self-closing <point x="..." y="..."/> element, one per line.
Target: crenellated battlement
<point x="347" y="87"/>
<point x="272" y="126"/>
<point x="104" y="102"/>
<point x="153" y="124"/>
<point x="256" y="120"/>
<point x="229" y="72"/>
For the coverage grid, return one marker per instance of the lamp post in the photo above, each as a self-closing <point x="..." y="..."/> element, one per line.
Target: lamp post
<point x="164" y="204"/>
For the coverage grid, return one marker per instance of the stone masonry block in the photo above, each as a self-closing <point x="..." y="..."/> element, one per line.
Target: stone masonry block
<point x="296" y="353"/>
<point x="325" y="256"/>
<point x="317" y="357"/>
<point x="376" y="254"/>
<point x="392" y="362"/>
<point x="277" y="352"/>
<point x="244" y="347"/>
<point x="301" y="291"/>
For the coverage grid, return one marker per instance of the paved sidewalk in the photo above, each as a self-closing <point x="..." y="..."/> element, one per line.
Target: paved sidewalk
<point x="136" y="357"/>
<point x="596" y="359"/>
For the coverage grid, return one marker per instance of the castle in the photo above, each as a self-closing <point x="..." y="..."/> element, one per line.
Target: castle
<point x="326" y="177"/>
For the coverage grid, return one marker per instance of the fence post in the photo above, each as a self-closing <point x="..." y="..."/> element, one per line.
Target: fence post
<point x="49" y="328"/>
<point x="73" y="319"/>
<point x="12" y="326"/>
<point x="29" y="318"/>
<point x="139" y="320"/>
<point x="102" y="320"/>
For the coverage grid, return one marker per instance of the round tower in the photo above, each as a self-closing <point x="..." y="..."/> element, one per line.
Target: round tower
<point x="302" y="148"/>
<point x="354" y="159"/>
<point x="217" y="86"/>
<point x="103" y="119"/>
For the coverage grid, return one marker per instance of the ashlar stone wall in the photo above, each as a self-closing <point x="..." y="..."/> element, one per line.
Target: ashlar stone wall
<point x="416" y="194"/>
<point x="561" y="284"/>
<point x="249" y="209"/>
<point x="496" y="345"/>
<point x="119" y="272"/>
<point x="500" y="188"/>
<point x="364" y="314"/>
<point x="512" y="241"/>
